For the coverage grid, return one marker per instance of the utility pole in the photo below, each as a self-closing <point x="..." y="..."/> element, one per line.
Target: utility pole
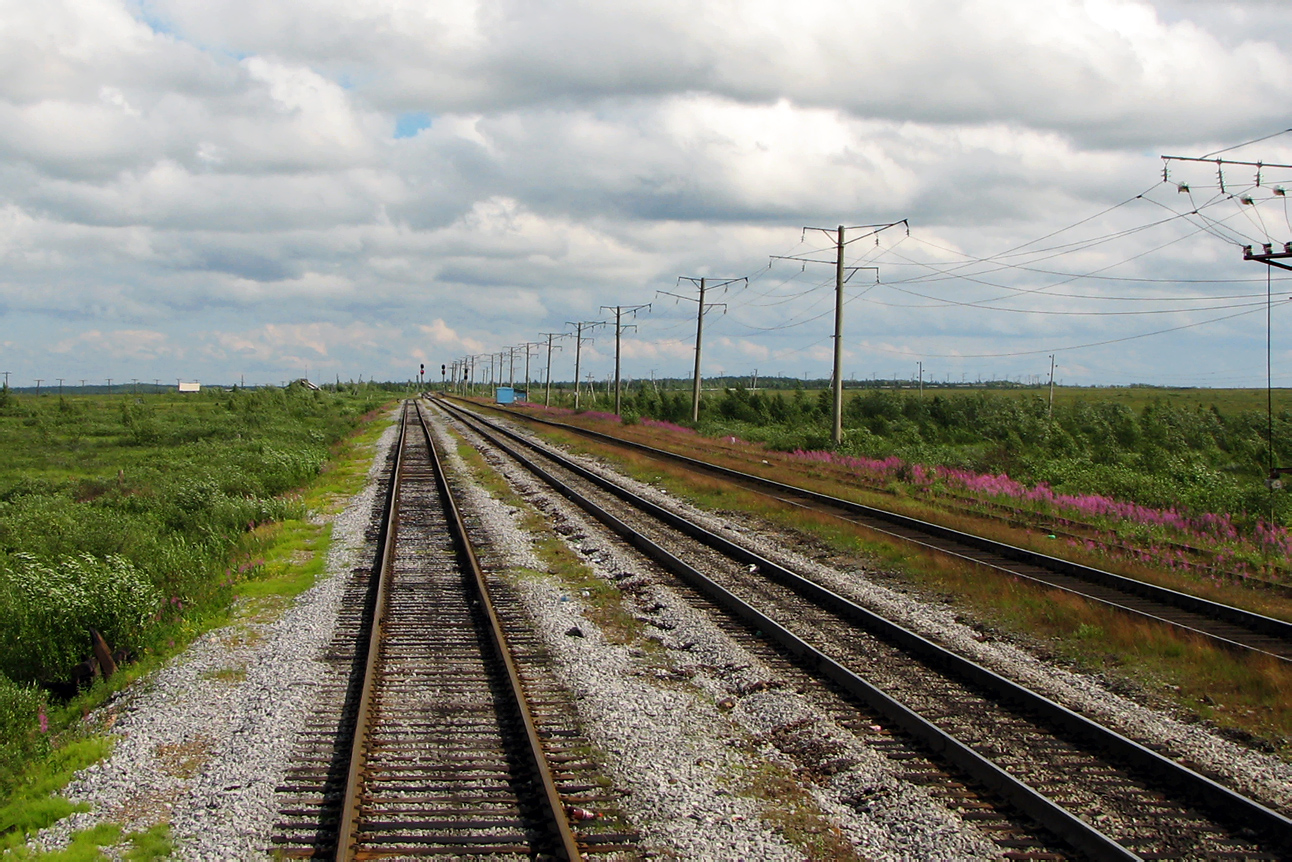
<point x="38" y="382"/>
<point x="6" y="379"/>
<point x="701" y="308"/>
<point x="1051" y="410"/>
<point x="109" y="385"/>
<point x="134" y="385"/>
<point x="60" y="387"/>
<point x="841" y="276"/>
<point x="1271" y="259"/>
<point x="547" y="398"/>
<point x="511" y="360"/>
<point x="619" y="328"/>
<point x="578" y="349"/>
<point x="530" y="347"/>
<point x="921" y="364"/>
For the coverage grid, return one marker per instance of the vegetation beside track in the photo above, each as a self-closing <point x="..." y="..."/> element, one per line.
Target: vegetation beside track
<point x="1246" y="697"/>
<point x="1175" y="481"/>
<point x="192" y="502"/>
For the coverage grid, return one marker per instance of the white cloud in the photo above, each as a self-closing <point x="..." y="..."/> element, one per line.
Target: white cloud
<point x="226" y="174"/>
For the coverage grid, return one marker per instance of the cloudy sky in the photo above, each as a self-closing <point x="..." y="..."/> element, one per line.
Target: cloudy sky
<point x="264" y="189"/>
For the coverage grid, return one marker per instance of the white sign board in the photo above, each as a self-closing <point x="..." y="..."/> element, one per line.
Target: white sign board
<point x="190" y="387"/>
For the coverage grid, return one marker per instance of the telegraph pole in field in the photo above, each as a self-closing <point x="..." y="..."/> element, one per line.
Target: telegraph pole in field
<point x="701" y="307"/>
<point x="841" y="275"/>
<point x="1051" y="410"/>
<point x="578" y="349"/>
<point x="619" y="329"/>
<point x="530" y="347"/>
<point x="547" y="398"/>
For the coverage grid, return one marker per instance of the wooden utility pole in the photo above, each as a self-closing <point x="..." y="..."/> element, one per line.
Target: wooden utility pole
<point x="578" y="349"/>
<point x="619" y="328"/>
<point x="547" y="398"/>
<point x="1051" y="410"/>
<point x="701" y="307"/>
<point x="529" y="346"/>
<point x="841" y="275"/>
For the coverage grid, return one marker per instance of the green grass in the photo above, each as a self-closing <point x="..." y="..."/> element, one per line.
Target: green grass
<point x="89" y="845"/>
<point x="34" y="805"/>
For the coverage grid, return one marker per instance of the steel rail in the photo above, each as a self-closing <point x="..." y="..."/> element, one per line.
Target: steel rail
<point x="560" y="824"/>
<point x="1258" y="624"/>
<point x="1226" y="803"/>
<point x="349" y="817"/>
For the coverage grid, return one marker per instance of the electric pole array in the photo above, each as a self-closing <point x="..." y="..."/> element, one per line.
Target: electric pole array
<point x="619" y="329"/>
<point x="701" y="307"/>
<point x="841" y="276"/>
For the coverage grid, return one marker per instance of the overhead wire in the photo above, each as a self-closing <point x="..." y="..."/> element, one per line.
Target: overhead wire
<point x="1075" y="347"/>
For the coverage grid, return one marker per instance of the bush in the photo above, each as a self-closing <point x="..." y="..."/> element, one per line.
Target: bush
<point x="47" y="608"/>
<point x="22" y="735"/>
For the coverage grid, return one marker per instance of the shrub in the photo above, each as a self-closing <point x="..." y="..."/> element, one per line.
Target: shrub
<point x="23" y="727"/>
<point x="47" y="608"/>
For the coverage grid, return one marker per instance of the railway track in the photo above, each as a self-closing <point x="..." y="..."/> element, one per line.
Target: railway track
<point x="1226" y="626"/>
<point x="442" y="734"/>
<point x="1102" y="795"/>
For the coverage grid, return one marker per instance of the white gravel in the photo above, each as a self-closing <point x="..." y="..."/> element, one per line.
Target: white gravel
<point x="203" y="742"/>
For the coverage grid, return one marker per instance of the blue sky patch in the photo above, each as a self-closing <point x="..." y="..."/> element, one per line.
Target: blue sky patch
<point x="409" y="124"/>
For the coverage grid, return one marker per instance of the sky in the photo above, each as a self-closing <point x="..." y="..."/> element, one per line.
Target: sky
<point x="229" y="190"/>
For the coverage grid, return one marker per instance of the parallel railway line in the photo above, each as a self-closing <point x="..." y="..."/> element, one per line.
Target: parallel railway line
<point x="1103" y="795"/>
<point x="1227" y="626"/>
<point x="443" y="735"/>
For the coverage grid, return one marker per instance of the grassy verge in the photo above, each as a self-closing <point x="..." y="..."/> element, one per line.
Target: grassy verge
<point x="603" y="601"/>
<point x="1248" y="698"/>
<point x="788" y="807"/>
<point x="270" y="564"/>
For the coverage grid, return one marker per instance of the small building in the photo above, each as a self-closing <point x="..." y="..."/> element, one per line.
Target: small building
<point x="504" y="395"/>
<point x="190" y="387"/>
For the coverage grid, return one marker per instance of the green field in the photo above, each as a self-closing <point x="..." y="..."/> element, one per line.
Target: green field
<point x="142" y="517"/>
